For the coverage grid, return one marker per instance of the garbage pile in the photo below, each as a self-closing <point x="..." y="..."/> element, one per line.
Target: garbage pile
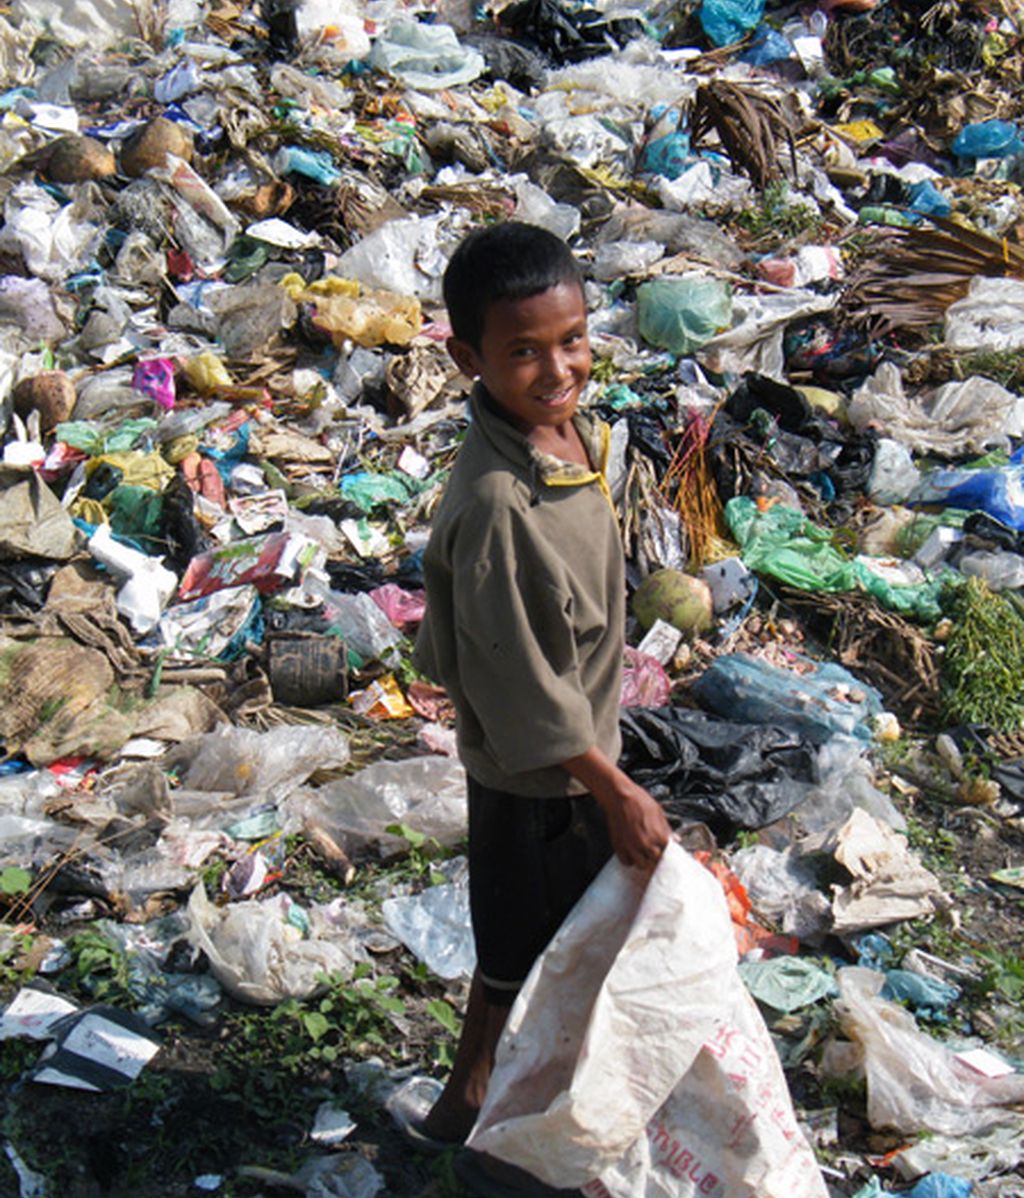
<point x="228" y="415"/>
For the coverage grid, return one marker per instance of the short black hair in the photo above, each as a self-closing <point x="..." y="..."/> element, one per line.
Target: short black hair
<point x="510" y="261"/>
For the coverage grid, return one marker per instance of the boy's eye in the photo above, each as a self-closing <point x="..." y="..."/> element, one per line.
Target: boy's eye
<point x="524" y="351"/>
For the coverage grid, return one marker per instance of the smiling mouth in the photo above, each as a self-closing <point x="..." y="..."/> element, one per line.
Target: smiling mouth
<point x="557" y="400"/>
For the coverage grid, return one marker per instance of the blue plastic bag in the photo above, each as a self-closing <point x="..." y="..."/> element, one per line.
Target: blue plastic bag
<point x="998" y="491"/>
<point x="941" y="1185"/>
<point x="668" y="156"/>
<point x="926" y="198"/>
<point x="818" y="704"/>
<point x="767" y="47"/>
<point x="726" y="21"/>
<point x="988" y="139"/>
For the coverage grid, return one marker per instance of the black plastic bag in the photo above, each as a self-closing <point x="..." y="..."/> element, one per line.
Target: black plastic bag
<point x="728" y="775"/>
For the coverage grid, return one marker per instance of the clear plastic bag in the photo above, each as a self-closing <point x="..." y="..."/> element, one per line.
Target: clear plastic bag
<point x="435" y="926"/>
<point x="427" y="794"/>
<point x="682" y="314"/>
<point x="914" y="1082"/>
<point x="241" y="761"/>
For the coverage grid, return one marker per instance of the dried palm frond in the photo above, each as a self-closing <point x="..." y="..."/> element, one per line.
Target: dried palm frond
<point x="915" y="274"/>
<point x="751" y="127"/>
<point x="880" y="646"/>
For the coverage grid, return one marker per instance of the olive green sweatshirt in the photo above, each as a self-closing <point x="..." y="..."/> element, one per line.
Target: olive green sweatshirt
<point x="525" y="606"/>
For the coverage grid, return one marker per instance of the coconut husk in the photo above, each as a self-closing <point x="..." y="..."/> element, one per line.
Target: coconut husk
<point x="149" y="146"/>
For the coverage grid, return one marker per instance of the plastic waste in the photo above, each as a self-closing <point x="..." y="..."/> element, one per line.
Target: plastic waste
<point x="668" y="156"/>
<point x="914" y="1082"/>
<point x="997" y="491"/>
<point x="720" y="771"/>
<point x="926" y="997"/>
<point x="615" y="259"/>
<point x="426" y="794"/>
<point x="644" y="681"/>
<point x="317" y="165"/>
<point x="787" y="983"/>
<point x="425" y="57"/>
<point x="893" y="473"/>
<point x="847" y="782"/>
<point x="434" y="925"/>
<point x="682" y="314"/>
<point x="536" y="207"/>
<point x="988" y="317"/>
<point x="147" y="585"/>
<point x="726" y="21"/>
<point x="1002" y="571"/>
<point x="941" y="1185"/>
<point x="784" y="890"/>
<point x="988" y="139"/>
<point x="819" y="699"/>
<point x="241" y="761"/>
<point x="620" y="1101"/>
<point x="259" y="954"/>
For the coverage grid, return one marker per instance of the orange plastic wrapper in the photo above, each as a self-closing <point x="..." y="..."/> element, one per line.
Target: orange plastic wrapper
<point x="749" y="933"/>
<point x="382" y="700"/>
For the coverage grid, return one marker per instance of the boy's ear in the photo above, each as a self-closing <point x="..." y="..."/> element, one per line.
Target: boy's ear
<point x="464" y="356"/>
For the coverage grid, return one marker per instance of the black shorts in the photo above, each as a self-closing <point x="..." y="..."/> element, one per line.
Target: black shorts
<point x="530" y="860"/>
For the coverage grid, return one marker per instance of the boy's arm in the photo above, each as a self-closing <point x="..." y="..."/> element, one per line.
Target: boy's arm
<point x="637" y="825"/>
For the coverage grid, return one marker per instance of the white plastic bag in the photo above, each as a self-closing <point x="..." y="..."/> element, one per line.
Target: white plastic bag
<point x="257" y="955"/>
<point x="435" y="926"/>
<point x="914" y="1082"/>
<point x="635" y="1064"/>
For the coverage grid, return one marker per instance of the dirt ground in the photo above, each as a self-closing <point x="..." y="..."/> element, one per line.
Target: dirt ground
<point x="240" y="1096"/>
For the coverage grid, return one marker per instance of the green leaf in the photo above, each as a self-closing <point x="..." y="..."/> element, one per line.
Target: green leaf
<point x="444" y="1014"/>
<point x="316" y="1025"/>
<point x="416" y="839"/>
<point x="14" y="880"/>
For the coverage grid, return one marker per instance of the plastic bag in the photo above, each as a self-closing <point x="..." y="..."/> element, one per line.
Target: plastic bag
<point x="257" y="955"/>
<point x="426" y="57"/>
<point x="988" y="139"/>
<point x="435" y="926"/>
<point x="893" y="473"/>
<point x="681" y="314"/>
<point x="721" y="772"/>
<point x="997" y="490"/>
<point x="784" y="890"/>
<point x="614" y="259"/>
<point x="914" y="1082"/>
<point x="402" y="257"/>
<point x="1002" y="571"/>
<point x="427" y="794"/>
<point x="644" y="681"/>
<point x="635" y="1064"/>
<point x="241" y="761"/>
<point x="988" y="317"/>
<point x="726" y="21"/>
<point x="956" y="418"/>
<point x="787" y="983"/>
<point x="820" y="701"/>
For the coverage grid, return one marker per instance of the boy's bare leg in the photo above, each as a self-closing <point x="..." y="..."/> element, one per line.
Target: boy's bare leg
<point x="455" y="1112"/>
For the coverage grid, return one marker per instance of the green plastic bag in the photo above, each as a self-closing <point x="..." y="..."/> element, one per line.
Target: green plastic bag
<point x="84" y="435"/>
<point x="784" y="544"/>
<point x="681" y="315"/>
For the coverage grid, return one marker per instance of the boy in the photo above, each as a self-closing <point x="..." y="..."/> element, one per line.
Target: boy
<point x="525" y="629"/>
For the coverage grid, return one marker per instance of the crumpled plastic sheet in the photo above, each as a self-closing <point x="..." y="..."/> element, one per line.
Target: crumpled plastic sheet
<point x="241" y="761"/>
<point x="754" y="342"/>
<point x="258" y="956"/>
<point x="787" y="983"/>
<point x="914" y="1082"/>
<point x="727" y="774"/>
<point x="425" y="57"/>
<point x="427" y="794"/>
<point x="823" y="700"/>
<point x="957" y="418"/>
<point x="435" y="926"/>
<point x="785" y="890"/>
<point x="988" y="317"/>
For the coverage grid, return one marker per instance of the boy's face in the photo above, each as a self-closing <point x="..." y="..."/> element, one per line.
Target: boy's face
<point x="534" y="356"/>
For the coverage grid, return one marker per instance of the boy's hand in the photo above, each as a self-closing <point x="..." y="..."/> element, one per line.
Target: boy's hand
<point x="637" y="825"/>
